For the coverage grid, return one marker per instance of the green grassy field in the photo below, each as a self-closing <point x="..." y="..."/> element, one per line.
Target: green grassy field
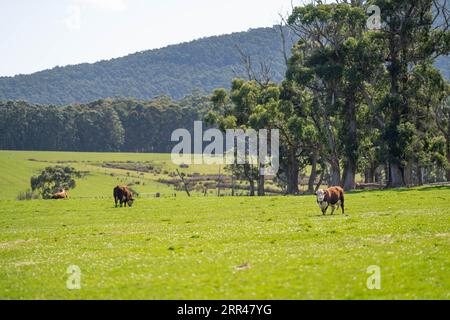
<point x="190" y="248"/>
<point x="17" y="167"/>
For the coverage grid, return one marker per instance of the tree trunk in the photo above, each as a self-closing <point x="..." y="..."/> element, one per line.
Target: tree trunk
<point x="261" y="180"/>
<point x="419" y="175"/>
<point x="425" y="174"/>
<point x="448" y="170"/>
<point x="407" y="174"/>
<point x="349" y="175"/>
<point x="448" y="151"/>
<point x="335" y="174"/>
<point x="387" y="176"/>
<point x="292" y="173"/>
<point x="378" y="175"/>
<point x="313" y="176"/>
<point x="252" y="187"/>
<point x="398" y="107"/>
<point x="366" y="176"/>
<point x="369" y="174"/>
<point x="248" y="175"/>
<point x="372" y="170"/>
<point x="233" y="179"/>
<point x="351" y="141"/>
<point x="395" y="176"/>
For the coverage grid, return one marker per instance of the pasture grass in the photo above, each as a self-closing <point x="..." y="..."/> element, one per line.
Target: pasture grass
<point x="17" y="167"/>
<point x="189" y="248"/>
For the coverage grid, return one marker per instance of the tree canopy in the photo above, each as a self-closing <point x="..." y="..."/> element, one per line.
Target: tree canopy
<point x="127" y="125"/>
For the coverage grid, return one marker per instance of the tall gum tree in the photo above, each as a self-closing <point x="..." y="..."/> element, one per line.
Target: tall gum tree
<point x="413" y="33"/>
<point x="337" y="59"/>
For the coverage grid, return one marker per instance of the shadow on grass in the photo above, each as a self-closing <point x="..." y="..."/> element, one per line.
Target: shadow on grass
<point x="390" y="190"/>
<point x="425" y="188"/>
<point x="431" y="188"/>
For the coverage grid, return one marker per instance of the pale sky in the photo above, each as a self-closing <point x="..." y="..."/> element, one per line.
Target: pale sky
<point x="41" y="34"/>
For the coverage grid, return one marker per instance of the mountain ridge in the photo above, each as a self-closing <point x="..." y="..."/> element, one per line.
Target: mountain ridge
<point x="175" y="70"/>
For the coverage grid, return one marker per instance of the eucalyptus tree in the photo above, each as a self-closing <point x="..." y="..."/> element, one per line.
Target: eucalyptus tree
<point x="334" y="59"/>
<point x="413" y="35"/>
<point x="246" y="106"/>
<point x="299" y="139"/>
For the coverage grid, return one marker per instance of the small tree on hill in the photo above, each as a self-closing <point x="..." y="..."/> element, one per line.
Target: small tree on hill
<point x="54" y="179"/>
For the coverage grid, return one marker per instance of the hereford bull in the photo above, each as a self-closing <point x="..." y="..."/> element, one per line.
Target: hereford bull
<point x="123" y="195"/>
<point x="333" y="196"/>
<point x="60" y="195"/>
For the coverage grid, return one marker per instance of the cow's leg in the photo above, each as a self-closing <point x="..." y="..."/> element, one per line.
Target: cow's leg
<point x="121" y="202"/>
<point x="342" y="207"/>
<point x="115" y="200"/>
<point x="333" y="207"/>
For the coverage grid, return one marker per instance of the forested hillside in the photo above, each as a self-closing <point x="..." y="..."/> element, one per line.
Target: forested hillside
<point x="176" y="71"/>
<point x="103" y="125"/>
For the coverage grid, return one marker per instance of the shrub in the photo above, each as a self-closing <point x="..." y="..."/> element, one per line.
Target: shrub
<point x="27" y="195"/>
<point x="53" y="179"/>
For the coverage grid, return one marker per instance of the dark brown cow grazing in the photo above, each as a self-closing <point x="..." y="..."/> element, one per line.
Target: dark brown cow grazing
<point x="123" y="195"/>
<point x="333" y="196"/>
<point x="60" y="195"/>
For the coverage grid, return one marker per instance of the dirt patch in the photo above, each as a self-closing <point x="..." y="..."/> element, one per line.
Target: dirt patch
<point x="24" y="264"/>
<point x="442" y="235"/>
<point x="13" y="243"/>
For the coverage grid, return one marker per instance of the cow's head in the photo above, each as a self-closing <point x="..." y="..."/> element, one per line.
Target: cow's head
<point x="130" y="201"/>
<point x="320" y="195"/>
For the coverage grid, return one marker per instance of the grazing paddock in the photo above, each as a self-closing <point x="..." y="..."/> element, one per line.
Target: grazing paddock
<point x="228" y="248"/>
<point x="16" y="168"/>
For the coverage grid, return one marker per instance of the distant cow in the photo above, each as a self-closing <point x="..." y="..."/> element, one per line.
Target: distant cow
<point x="60" y="195"/>
<point x="123" y="195"/>
<point x="333" y="196"/>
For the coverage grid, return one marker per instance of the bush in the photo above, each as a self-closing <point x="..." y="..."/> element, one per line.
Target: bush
<point x="54" y="179"/>
<point x="27" y="195"/>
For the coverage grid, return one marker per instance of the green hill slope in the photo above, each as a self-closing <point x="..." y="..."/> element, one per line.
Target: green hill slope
<point x="175" y="70"/>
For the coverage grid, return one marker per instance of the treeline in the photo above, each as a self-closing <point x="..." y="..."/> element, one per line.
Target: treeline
<point x="175" y="70"/>
<point x="354" y="101"/>
<point x="126" y="125"/>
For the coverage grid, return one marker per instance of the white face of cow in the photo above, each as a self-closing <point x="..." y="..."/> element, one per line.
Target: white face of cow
<point x="320" y="195"/>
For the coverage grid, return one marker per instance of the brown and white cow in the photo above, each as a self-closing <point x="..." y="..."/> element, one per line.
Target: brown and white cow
<point x="333" y="196"/>
<point x="123" y="195"/>
<point x="60" y="195"/>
